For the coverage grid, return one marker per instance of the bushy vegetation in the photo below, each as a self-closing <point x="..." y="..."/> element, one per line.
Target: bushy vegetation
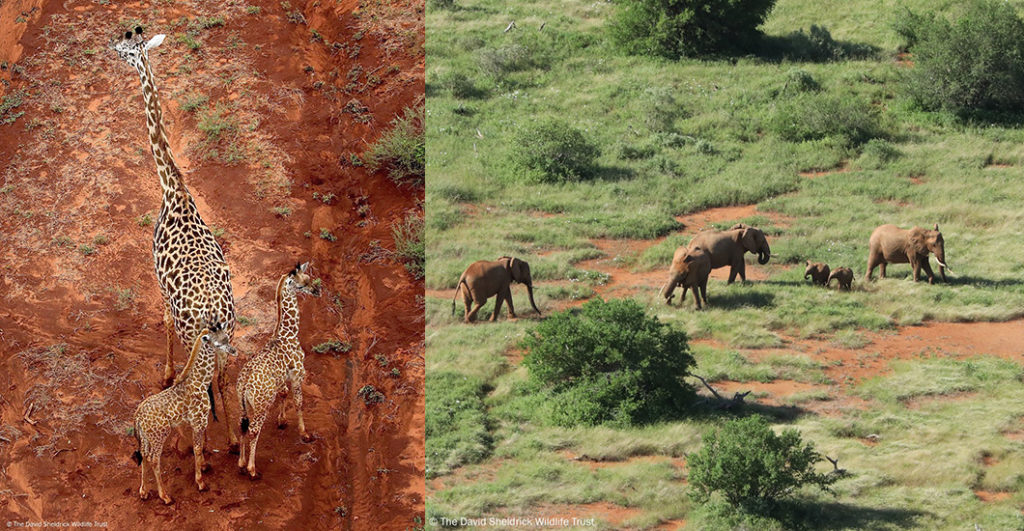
<point x="402" y="150"/>
<point x="813" y="116"/>
<point x="553" y="151"/>
<point x="609" y="363"/>
<point x="975" y="62"/>
<point x="678" y="28"/>
<point x="409" y="245"/>
<point x="752" y="467"/>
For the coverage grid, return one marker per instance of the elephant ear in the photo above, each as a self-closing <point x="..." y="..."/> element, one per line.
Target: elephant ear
<point x="936" y="227"/>
<point x="918" y="242"/>
<point x="515" y="267"/>
<point x="741" y="232"/>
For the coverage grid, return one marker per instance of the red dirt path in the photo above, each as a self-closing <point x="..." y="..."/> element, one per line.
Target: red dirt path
<point x="81" y="336"/>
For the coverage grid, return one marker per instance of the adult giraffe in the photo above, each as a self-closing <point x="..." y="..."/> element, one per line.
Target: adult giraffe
<point x="190" y="267"/>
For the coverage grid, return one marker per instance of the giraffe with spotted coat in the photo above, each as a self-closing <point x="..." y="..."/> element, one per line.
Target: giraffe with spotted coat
<point x="186" y="401"/>
<point x="190" y="268"/>
<point x="275" y="369"/>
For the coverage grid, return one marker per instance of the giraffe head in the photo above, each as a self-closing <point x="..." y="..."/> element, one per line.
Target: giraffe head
<point x="133" y="49"/>
<point x="216" y="335"/>
<point x="300" y="281"/>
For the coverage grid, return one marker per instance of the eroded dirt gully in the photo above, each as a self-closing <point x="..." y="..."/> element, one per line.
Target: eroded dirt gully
<point x="81" y="335"/>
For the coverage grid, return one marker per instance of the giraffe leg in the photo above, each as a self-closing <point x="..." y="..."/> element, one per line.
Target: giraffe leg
<point x="169" y="330"/>
<point x="297" y="393"/>
<point x="282" y="420"/>
<point x="143" y="493"/>
<point x="160" y="484"/>
<point x="254" y="437"/>
<point x="221" y="378"/>
<point x="198" y="435"/>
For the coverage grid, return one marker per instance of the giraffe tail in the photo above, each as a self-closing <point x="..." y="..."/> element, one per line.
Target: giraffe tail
<point x="213" y="407"/>
<point x="245" y="417"/>
<point x="137" y="455"/>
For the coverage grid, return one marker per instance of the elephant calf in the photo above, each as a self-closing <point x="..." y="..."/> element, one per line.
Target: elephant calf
<point x="485" y="279"/>
<point x="842" y="275"/>
<point x="890" y="244"/>
<point x="690" y="269"/>
<point x="818" y="272"/>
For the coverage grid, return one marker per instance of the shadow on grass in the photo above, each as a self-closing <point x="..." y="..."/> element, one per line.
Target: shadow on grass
<point x="811" y="514"/>
<point x="731" y="299"/>
<point x="813" y="46"/>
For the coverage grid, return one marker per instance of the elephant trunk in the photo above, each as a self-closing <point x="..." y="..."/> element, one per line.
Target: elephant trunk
<point x="764" y="255"/>
<point x="941" y="259"/>
<point x="529" y="289"/>
<point x="670" y="287"/>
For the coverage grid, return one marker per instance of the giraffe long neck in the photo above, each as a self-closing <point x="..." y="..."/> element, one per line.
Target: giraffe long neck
<point x="198" y="371"/>
<point x="287" y="313"/>
<point x="170" y="178"/>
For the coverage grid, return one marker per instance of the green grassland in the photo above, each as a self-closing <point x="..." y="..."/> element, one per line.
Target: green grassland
<point x="678" y="137"/>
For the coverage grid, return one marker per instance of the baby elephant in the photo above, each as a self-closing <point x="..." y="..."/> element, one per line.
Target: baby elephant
<point x="844" y="275"/>
<point x="818" y="272"/>
<point x="690" y="269"/>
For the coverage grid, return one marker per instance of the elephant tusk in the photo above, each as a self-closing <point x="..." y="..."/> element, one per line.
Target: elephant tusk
<point x="945" y="266"/>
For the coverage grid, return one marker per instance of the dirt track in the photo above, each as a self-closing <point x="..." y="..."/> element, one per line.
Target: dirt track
<point x="81" y="332"/>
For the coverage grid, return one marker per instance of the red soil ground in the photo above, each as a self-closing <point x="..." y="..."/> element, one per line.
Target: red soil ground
<point x="81" y="334"/>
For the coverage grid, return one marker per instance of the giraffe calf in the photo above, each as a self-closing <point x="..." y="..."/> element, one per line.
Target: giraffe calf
<point x="275" y="369"/>
<point x="187" y="401"/>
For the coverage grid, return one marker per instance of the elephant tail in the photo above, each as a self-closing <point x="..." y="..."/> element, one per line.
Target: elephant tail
<point x="458" y="288"/>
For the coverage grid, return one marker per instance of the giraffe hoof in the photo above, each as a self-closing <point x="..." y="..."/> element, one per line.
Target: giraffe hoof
<point x="255" y="476"/>
<point x="206" y="467"/>
<point x="167" y="500"/>
<point x="282" y="424"/>
<point x="168" y="381"/>
<point x="144" y="495"/>
<point x="308" y="438"/>
<point x="233" y="448"/>
<point x="202" y="486"/>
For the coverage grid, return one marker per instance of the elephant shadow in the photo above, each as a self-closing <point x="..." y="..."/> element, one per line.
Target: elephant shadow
<point x="731" y="299"/>
<point x="982" y="282"/>
<point x="814" y="514"/>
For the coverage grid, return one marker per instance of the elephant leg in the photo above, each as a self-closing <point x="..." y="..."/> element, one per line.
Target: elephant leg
<point x="508" y="299"/>
<point x="928" y="271"/>
<point x="498" y="300"/>
<point x="467" y="300"/>
<point x="471" y="316"/>
<point x="704" y="291"/>
<point x="682" y="298"/>
<point x="881" y="269"/>
<point x="871" y="266"/>
<point x="696" y="296"/>
<point x="740" y="268"/>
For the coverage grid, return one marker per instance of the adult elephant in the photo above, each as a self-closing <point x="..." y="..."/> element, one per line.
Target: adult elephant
<point x="727" y="247"/>
<point x="890" y="244"/>
<point x="485" y="279"/>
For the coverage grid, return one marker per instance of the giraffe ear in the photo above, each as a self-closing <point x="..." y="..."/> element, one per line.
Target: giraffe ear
<point x="304" y="267"/>
<point x="155" y="41"/>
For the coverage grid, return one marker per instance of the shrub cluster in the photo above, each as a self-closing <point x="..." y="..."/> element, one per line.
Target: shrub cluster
<point x="753" y="467"/>
<point x="813" y="116"/>
<point x="552" y="151"/>
<point x="609" y="363"/>
<point x="456" y="425"/>
<point x="973" y="63"/>
<point x="676" y="28"/>
<point x="402" y="150"/>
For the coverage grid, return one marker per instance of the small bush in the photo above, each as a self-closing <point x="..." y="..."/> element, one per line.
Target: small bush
<point x="661" y="109"/>
<point x="673" y="29"/>
<point x="410" y="249"/>
<point x="402" y="150"/>
<point x="817" y="116"/>
<point x="799" y="80"/>
<point x="753" y="467"/>
<point x="458" y="84"/>
<point x="877" y="154"/>
<point x="497" y="63"/>
<point x="973" y="63"/>
<point x="553" y="151"/>
<point x="609" y="363"/>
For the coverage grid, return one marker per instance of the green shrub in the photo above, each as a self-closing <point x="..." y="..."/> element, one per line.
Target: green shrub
<point x="402" y="150"/>
<point x="799" y="80"/>
<point x="811" y="116"/>
<point x="553" y="151"/>
<point x="973" y="63"/>
<point x="877" y="154"/>
<point x="675" y="28"/>
<point x="458" y="84"/>
<point x="456" y="422"/>
<point x="753" y="467"/>
<point x="609" y="363"/>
